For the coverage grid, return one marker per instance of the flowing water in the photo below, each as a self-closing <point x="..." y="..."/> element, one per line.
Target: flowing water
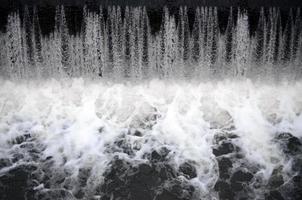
<point x="122" y="46"/>
<point x="211" y="114"/>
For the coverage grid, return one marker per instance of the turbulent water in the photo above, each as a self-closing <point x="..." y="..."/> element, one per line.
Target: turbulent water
<point x="62" y="128"/>
<point x="120" y="113"/>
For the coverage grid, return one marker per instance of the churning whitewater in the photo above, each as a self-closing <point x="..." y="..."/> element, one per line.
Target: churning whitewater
<point x="66" y="127"/>
<point x="119" y="111"/>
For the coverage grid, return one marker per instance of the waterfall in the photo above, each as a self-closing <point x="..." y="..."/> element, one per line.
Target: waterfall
<point x="132" y="104"/>
<point x="121" y="45"/>
<point x="242" y="45"/>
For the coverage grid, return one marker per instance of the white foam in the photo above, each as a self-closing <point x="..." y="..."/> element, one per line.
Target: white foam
<point x="67" y="115"/>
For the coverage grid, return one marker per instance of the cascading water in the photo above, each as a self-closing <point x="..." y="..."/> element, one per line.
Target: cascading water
<point x="123" y="47"/>
<point x="118" y="111"/>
